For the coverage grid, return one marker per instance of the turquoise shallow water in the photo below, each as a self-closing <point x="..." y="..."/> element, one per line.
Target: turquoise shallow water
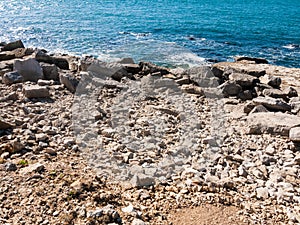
<point x="166" y="32"/>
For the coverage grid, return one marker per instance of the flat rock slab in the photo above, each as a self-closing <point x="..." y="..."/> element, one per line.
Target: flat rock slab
<point x="272" y="103"/>
<point x="273" y="123"/>
<point x="36" y="91"/>
<point x="295" y="134"/>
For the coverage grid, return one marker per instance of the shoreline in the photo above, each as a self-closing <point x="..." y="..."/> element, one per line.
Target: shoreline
<point x="173" y="142"/>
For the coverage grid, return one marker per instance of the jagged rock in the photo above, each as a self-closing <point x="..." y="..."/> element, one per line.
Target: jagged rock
<point x="126" y="61"/>
<point x="184" y="80"/>
<point x="6" y="56"/>
<point x="294" y="134"/>
<point x="50" y="71"/>
<point x="132" y="68"/>
<point x="244" y="80"/>
<point x="45" y="82"/>
<point x="104" y="70"/>
<point x="11" y="96"/>
<point x="276" y="93"/>
<point x="245" y="95"/>
<point x="36" y="91"/>
<point x="272" y="123"/>
<point x="150" y="68"/>
<point x="230" y="88"/>
<point x="248" y="107"/>
<point x="13" y="45"/>
<point x="12" y="78"/>
<point x="258" y="109"/>
<point x="37" y="167"/>
<point x="290" y="92"/>
<point x="29" y="69"/>
<point x="69" y="81"/>
<point x="142" y="180"/>
<point x="60" y="61"/>
<point x="272" y="103"/>
<point x="5" y="125"/>
<point x="202" y="76"/>
<point x="191" y="89"/>
<point x="105" y="215"/>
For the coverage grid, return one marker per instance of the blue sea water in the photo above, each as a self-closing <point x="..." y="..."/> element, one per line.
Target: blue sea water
<point x="177" y="32"/>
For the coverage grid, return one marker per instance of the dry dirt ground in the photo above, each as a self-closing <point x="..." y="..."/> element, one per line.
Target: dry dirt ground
<point x="207" y="215"/>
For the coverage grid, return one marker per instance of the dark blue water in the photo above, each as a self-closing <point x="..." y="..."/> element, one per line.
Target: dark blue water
<point x="177" y="32"/>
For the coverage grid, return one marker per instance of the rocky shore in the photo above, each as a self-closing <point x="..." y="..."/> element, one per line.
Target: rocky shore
<point x="90" y="142"/>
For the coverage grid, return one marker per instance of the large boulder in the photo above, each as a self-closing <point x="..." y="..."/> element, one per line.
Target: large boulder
<point x="69" y="81"/>
<point x="50" y="71"/>
<point x="273" y="123"/>
<point x="29" y="69"/>
<point x="36" y="91"/>
<point x="230" y="88"/>
<point x="59" y="60"/>
<point x="12" y="46"/>
<point x="105" y="70"/>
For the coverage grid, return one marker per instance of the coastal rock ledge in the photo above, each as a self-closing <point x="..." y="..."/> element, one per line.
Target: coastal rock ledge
<point x="84" y="141"/>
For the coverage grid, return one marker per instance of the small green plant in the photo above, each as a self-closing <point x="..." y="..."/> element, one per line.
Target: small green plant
<point x="23" y="162"/>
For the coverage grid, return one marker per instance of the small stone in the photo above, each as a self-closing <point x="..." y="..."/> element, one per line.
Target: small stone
<point x="297" y="160"/>
<point x="184" y="80"/>
<point x="5" y="125"/>
<point x="10" y="166"/>
<point x="230" y="88"/>
<point x="262" y="193"/>
<point x="17" y="145"/>
<point x="69" y="142"/>
<point x="270" y="150"/>
<point x="128" y="209"/>
<point x="41" y="137"/>
<point x="5" y="155"/>
<point x="294" y="134"/>
<point x="12" y="78"/>
<point x="191" y="89"/>
<point x="36" y="91"/>
<point x="44" y="82"/>
<point x="37" y="167"/>
<point x="138" y="222"/>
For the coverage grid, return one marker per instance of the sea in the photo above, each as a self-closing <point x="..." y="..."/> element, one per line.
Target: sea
<point x="172" y="33"/>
